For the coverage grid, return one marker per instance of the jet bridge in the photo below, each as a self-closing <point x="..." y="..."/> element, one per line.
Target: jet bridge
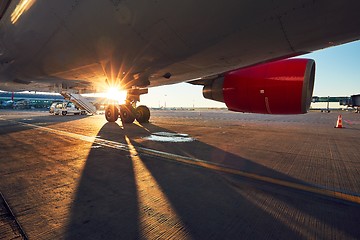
<point x="355" y="102"/>
<point x="352" y="101"/>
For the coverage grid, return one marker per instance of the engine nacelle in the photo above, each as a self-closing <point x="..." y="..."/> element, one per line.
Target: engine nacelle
<point x="281" y="87"/>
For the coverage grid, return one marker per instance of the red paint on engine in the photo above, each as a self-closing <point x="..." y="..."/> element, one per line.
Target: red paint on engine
<point x="274" y="88"/>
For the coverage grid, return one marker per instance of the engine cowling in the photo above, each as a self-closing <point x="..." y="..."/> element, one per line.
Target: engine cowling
<point x="280" y="87"/>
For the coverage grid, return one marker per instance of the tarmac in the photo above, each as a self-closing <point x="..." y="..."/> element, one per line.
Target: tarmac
<point x="199" y="174"/>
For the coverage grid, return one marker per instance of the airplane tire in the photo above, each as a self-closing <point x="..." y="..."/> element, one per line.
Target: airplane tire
<point x="142" y="114"/>
<point x="64" y="113"/>
<point x="111" y="113"/>
<point x="127" y="113"/>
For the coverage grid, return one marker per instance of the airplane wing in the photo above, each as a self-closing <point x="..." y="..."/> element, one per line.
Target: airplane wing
<point x="90" y="45"/>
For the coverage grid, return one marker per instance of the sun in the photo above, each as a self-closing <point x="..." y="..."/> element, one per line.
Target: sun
<point x="116" y="95"/>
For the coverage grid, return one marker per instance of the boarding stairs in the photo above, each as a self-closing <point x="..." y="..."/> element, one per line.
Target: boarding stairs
<point x="79" y="101"/>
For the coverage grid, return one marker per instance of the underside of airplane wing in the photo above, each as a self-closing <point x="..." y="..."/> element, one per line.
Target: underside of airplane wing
<point x="88" y="46"/>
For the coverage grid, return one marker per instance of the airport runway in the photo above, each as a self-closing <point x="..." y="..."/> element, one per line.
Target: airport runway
<point x="185" y="175"/>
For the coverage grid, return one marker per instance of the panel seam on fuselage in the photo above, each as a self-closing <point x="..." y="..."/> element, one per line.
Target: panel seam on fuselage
<point x="285" y="34"/>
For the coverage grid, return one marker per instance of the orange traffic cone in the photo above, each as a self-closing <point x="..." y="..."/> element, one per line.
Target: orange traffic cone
<point x="339" y="122"/>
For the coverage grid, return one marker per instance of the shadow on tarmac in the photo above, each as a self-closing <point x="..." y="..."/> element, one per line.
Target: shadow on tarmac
<point x="106" y="203"/>
<point x="48" y="120"/>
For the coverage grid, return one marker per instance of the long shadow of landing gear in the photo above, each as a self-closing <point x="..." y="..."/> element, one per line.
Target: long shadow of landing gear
<point x="128" y="112"/>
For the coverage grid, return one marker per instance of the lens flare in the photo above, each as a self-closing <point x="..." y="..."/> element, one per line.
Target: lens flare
<point x="116" y="95"/>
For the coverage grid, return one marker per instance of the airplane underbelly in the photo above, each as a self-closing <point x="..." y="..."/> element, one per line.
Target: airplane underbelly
<point x="147" y="40"/>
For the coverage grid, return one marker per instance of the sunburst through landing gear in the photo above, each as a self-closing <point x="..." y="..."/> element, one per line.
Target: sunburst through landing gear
<point x="128" y="112"/>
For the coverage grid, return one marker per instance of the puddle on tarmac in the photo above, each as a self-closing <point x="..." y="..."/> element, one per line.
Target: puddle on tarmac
<point x="169" y="137"/>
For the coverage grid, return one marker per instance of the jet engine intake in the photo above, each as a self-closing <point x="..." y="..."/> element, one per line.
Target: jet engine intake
<point x="280" y="87"/>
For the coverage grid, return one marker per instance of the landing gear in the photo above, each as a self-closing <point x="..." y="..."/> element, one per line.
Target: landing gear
<point x="111" y="113"/>
<point x="128" y="112"/>
<point x="142" y="114"/>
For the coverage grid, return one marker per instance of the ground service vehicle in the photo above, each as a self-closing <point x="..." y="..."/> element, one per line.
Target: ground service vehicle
<point x="66" y="108"/>
<point x="52" y="107"/>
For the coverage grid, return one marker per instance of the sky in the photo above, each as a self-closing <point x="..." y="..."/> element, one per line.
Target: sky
<point x="337" y="74"/>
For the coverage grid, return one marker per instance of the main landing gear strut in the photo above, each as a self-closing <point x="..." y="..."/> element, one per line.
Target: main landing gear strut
<point x="128" y="112"/>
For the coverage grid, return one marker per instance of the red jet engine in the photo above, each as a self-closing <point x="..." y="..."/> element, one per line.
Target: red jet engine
<point x="280" y="87"/>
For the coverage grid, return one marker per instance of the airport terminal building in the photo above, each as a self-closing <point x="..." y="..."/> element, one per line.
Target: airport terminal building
<point x="9" y="100"/>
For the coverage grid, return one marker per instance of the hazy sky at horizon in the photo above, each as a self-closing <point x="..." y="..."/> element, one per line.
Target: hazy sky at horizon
<point x="337" y="74"/>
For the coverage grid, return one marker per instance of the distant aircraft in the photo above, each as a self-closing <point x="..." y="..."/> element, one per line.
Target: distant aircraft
<point x="238" y="50"/>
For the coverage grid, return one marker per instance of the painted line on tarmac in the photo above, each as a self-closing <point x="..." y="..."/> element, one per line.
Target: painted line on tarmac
<point x="348" y="197"/>
<point x="9" y="219"/>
